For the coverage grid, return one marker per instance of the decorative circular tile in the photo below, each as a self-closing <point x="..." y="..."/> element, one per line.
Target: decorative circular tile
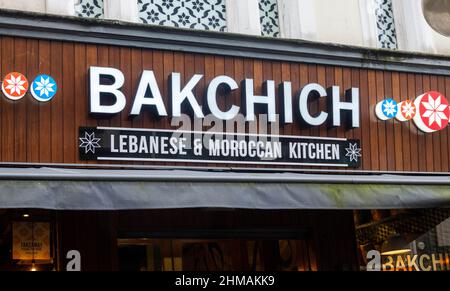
<point x="15" y="86"/>
<point x="43" y="88"/>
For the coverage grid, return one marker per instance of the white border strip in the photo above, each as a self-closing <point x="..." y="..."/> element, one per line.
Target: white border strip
<point x="218" y="162"/>
<point x="217" y="133"/>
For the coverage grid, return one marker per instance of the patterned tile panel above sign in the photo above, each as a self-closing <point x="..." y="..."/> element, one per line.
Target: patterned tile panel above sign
<point x="89" y="8"/>
<point x="193" y="14"/>
<point x="268" y="15"/>
<point x="387" y="37"/>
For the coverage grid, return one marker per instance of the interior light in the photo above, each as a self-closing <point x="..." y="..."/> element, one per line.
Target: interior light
<point x="395" y="245"/>
<point x="33" y="267"/>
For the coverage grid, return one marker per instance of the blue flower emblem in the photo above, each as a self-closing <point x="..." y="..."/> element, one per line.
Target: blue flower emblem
<point x="389" y="107"/>
<point x="43" y="88"/>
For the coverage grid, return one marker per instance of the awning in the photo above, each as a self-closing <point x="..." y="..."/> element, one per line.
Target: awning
<point x="110" y="189"/>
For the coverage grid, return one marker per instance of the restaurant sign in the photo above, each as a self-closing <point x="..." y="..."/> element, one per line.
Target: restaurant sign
<point x="430" y="112"/>
<point x="236" y="147"/>
<point x="157" y="145"/>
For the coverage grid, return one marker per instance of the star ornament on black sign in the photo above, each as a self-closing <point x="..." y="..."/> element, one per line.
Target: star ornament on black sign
<point x="353" y="152"/>
<point x="89" y="142"/>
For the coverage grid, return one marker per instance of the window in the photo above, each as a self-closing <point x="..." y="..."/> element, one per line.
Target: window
<point x="89" y="8"/>
<point x="148" y="254"/>
<point x="385" y="24"/>
<point x="268" y="15"/>
<point x="193" y="14"/>
<point x="406" y="239"/>
<point x="437" y="15"/>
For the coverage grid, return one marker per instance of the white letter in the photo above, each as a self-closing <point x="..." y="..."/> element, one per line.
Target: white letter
<point x="285" y="92"/>
<point x="251" y="99"/>
<point x="303" y="104"/>
<point x="148" y="81"/>
<point x="113" y="149"/>
<point x="123" y="143"/>
<point x="353" y="105"/>
<point x="133" y="146"/>
<point x="178" y="95"/>
<point x="212" y="98"/>
<point x="97" y="90"/>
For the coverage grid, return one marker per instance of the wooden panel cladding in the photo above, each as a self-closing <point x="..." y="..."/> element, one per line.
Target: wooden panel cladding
<point x="47" y="132"/>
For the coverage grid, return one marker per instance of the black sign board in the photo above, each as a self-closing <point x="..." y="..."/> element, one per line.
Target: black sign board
<point x="160" y="145"/>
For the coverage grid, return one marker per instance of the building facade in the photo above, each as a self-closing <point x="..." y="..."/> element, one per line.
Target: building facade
<point x="224" y="135"/>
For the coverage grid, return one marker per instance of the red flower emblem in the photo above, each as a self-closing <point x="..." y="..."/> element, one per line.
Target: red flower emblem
<point x="433" y="112"/>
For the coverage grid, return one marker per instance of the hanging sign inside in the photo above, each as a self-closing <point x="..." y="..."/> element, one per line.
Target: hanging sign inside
<point x="31" y="241"/>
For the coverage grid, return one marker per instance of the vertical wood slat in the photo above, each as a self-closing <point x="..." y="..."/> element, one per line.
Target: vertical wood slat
<point x="429" y="161"/>
<point x="405" y="148"/>
<point x="219" y="69"/>
<point x="32" y="126"/>
<point x="397" y="130"/>
<point x="44" y="109"/>
<point x="414" y="132"/>
<point x="420" y="135"/>
<point x="263" y="73"/>
<point x="346" y="84"/>
<point x="147" y="64"/>
<point x="382" y="145"/>
<point x="135" y="73"/>
<point x="239" y="75"/>
<point x="125" y="67"/>
<point x="373" y="122"/>
<point x="365" y="122"/>
<point x="208" y="69"/>
<point x="315" y="104"/>
<point x="276" y="76"/>
<point x="447" y="93"/>
<point x="136" y="69"/>
<point x="100" y="57"/>
<point x="444" y="134"/>
<point x="109" y="57"/>
<point x="80" y="89"/>
<point x="91" y="60"/>
<point x="323" y="129"/>
<point x="7" y="112"/>
<point x="66" y="93"/>
<point x="20" y="113"/>
<point x="355" y="82"/>
<point x="390" y="147"/>
<point x="435" y="138"/>
<point x="258" y="80"/>
<point x="286" y="128"/>
<point x="248" y="74"/>
<point x="302" y="81"/>
<point x="57" y="104"/>
<point x="179" y="67"/>
<point x="228" y="71"/>
<point x="295" y="81"/>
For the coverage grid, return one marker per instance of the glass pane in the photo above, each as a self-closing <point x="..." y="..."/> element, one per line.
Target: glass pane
<point x="148" y="254"/>
<point x="405" y="240"/>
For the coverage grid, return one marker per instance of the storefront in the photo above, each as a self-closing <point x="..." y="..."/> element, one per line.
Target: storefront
<point x="126" y="147"/>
